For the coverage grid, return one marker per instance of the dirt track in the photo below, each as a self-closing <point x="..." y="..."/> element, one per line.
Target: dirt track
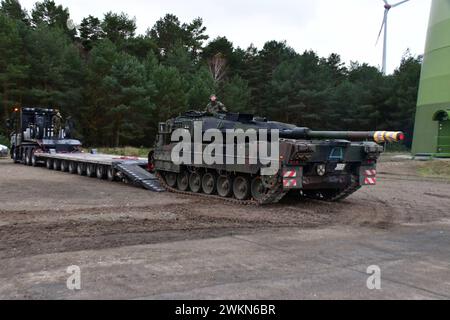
<point x="52" y="214"/>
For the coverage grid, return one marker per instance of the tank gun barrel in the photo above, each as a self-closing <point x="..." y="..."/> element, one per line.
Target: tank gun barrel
<point x="377" y="136"/>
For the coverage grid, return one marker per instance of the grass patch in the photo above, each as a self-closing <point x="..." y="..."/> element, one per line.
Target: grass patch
<point x="396" y="148"/>
<point x="125" y="151"/>
<point x="435" y="169"/>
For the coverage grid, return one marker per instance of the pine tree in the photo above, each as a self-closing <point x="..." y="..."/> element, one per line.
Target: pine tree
<point x="127" y="87"/>
<point x="13" y="65"/>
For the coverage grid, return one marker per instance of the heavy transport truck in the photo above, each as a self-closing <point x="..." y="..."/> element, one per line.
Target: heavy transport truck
<point x="323" y="165"/>
<point x="36" y="141"/>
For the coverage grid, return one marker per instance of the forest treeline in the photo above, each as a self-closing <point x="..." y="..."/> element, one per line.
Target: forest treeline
<point x="117" y="84"/>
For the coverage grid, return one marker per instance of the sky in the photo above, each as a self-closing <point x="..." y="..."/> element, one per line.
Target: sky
<point x="347" y="27"/>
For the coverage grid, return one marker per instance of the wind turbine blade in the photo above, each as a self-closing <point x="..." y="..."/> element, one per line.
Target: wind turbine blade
<point x="397" y="4"/>
<point x="382" y="25"/>
<point x="385" y="1"/>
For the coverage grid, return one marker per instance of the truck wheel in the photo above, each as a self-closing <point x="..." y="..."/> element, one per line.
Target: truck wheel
<point x="49" y="163"/>
<point x="111" y="174"/>
<point x="72" y="167"/>
<point x="33" y="158"/>
<point x="241" y="188"/>
<point x="100" y="172"/>
<point x="224" y="186"/>
<point x="90" y="170"/>
<point x="28" y="156"/>
<point x="24" y="156"/>
<point x="81" y="169"/>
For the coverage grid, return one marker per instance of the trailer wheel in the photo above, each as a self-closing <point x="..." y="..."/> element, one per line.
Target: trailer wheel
<point x="100" y="172"/>
<point x="81" y="169"/>
<point x="90" y="170"/>
<point x="72" y="167"/>
<point x="111" y="174"/>
<point x="57" y="164"/>
<point x="49" y="163"/>
<point x="64" y="166"/>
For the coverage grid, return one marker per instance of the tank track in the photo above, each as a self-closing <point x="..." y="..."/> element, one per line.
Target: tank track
<point x="273" y="196"/>
<point x="338" y="196"/>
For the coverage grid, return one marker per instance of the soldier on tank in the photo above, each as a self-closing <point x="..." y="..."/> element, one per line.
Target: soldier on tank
<point x="215" y="106"/>
<point x="57" y="123"/>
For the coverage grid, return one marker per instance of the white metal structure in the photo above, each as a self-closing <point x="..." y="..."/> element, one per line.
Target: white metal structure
<point x="3" y="151"/>
<point x="387" y="8"/>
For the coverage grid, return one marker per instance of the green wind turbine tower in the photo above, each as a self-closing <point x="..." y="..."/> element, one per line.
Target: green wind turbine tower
<point x="432" y="127"/>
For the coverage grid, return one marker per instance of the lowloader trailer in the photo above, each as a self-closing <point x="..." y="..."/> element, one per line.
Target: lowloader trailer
<point x="38" y="138"/>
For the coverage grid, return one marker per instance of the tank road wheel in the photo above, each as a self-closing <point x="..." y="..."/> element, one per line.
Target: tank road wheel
<point x="100" y="172"/>
<point x="241" y="188"/>
<point x="258" y="190"/>
<point x="56" y="164"/>
<point x="72" y="167"/>
<point x="183" y="181"/>
<point x="171" y="179"/>
<point x="209" y="183"/>
<point x="224" y="186"/>
<point x="90" y="170"/>
<point x="111" y="174"/>
<point x="195" y="182"/>
<point x="49" y="163"/>
<point x="81" y="168"/>
<point x="64" y="166"/>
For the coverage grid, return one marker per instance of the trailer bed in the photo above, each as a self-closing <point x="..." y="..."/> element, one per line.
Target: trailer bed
<point x="131" y="170"/>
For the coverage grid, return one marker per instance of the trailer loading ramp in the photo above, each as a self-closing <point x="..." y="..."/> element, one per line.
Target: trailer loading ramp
<point x="139" y="176"/>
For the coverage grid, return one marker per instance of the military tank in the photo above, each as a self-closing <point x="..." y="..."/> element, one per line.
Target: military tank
<point x="322" y="165"/>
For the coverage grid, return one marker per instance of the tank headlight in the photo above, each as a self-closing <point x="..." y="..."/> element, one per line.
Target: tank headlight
<point x="321" y="170"/>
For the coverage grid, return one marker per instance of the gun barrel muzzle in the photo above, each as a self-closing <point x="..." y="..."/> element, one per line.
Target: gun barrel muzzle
<point x="388" y="136"/>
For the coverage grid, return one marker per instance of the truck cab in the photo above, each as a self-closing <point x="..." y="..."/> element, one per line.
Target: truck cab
<point x="33" y="130"/>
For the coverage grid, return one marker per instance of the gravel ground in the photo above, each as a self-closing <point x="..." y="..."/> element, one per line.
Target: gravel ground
<point x="130" y="241"/>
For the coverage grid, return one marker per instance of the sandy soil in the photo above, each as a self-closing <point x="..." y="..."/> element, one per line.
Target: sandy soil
<point x="46" y="212"/>
<point x="43" y="211"/>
